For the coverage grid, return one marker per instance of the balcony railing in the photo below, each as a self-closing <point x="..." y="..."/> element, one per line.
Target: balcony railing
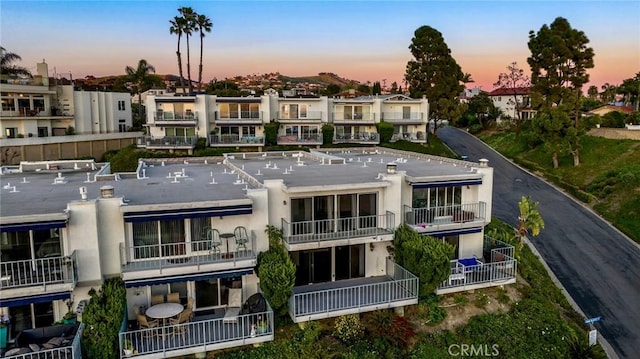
<point x="497" y="267"/>
<point x="167" y="142"/>
<point x="308" y="116"/>
<point x="308" y="139"/>
<point x="235" y="140"/>
<point x="341" y="228"/>
<point x="194" y="253"/>
<point x="399" y="287"/>
<point x="459" y="213"/>
<point x="37" y="81"/>
<point x="408" y="136"/>
<point x="164" y="116"/>
<point x="362" y="137"/>
<point x="353" y="117"/>
<point x="72" y="351"/>
<point x="401" y="117"/>
<point x="200" y="335"/>
<point x="239" y="116"/>
<point x="38" y="272"/>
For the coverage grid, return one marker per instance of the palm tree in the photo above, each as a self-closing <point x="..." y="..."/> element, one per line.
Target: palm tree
<point x="6" y="64"/>
<point x="529" y="221"/>
<point x="204" y="25"/>
<point x="177" y="27"/>
<point x="580" y="349"/>
<point x="466" y="78"/>
<point x="140" y="76"/>
<point x="189" y="17"/>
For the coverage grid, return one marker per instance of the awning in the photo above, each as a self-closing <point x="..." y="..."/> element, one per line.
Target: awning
<point x="17" y="227"/>
<point x="453" y="232"/>
<point x="170" y="214"/>
<point x="186" y="278"/>
<point x="175" y="99"/>
<point x="452" y="183"/>
<point x="239" y="100"/>
<point x="49" y="297"/>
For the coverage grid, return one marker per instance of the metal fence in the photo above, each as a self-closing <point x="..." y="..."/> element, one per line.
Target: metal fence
<point x="458" y="213"/>
<point x="41" y="271"/>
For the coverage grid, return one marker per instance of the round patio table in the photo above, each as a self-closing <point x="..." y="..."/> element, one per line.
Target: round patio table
<point x="164" y="310"/>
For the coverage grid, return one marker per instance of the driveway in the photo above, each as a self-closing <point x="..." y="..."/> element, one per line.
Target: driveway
<point x="598" y="266"/>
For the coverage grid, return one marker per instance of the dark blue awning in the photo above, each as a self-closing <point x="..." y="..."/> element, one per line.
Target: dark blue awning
<point x="49" y="297"/>
<point x="170" y="214"/>
<point x="453" y="232"/>
<point x="452" y="183"/>
<point x="186" y="278"/>
<point x="16" y="227"/>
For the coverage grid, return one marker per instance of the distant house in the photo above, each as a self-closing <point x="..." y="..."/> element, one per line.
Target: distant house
<point x="603" y="110"/>
<point x="467" y="94"/>
<point x="518" y="107"/>
<point x="154" y="92"/>
<point x="351" y="93"/>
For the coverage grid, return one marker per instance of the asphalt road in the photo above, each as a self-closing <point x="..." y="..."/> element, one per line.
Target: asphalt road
<point x="596" y="264"/>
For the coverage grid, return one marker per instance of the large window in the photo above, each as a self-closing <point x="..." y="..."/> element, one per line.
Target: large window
<point x="356" y="112"/>
<point x="436" y="197"/>
<point x="293" y="111"/>
<point x="155" y="238"/>
<point x="17" y="246"/>
<point x="214" y="292"/>
<point x="180" y="131"/>
<point x="316" y="214"/>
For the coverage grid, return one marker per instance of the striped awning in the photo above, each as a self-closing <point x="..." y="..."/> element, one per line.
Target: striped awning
<point x="187" y="277"/>
<point x="171" y="214"/>
<point x="17" y="227"/>
<point x="451" y="183"/>
<point x="41" y="298"/>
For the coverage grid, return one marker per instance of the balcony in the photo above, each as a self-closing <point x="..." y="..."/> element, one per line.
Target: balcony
<point x="167" y="142"/>
<point x="353" y="118"/>
<point x="239" y="117"/>
<point x="69" y="348"/>
<point x="362" y="138"/>
<point x="496" y="267"/>
<point x="235" y="141"/>
<point x="412" y="118"/>
<point x="311" y="139"/>
<point x="37" y="276"/>
<point x="164" y="118"/>
<point x="307" y="117"/>
<point x="459" y="216"/>
<point x="338" y="232"/>
<point x="418" y="137"/>
<point x="200" y="335"/>
<point x="140" y="261"/>
<point x="325" y="300"/>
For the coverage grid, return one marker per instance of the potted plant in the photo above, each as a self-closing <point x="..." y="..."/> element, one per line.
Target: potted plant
<point x="70" y="317"/>
<point x="262" y="325"/>
<point x="128" y="347"/>
<point x="4" y="329"/>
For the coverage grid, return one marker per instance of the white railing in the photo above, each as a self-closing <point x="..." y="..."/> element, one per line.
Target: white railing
<point x="341" y="228"/>
<point x="315" y="138"/>
<point x="458" y="213"/>
<point x="160" y="116"/>
<point x="158" y="256"/>
<point x="73" y="351"/>
<point x="230" y="139"/>
<point x="353" y="117"/>
<point x="368" y="137"/>
<point x="401" y="116"/>
<point x="167" y="141"/>
<point x="309" y="115"/>
<point x="36" y="272"/>
<point x="205" y="333"/>
<point x="239" y="115"/>
<point x="501" y="268"/>
<point x="402" y="286"/>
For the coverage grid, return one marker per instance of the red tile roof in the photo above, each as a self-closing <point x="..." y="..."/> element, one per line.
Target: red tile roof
<point x="503" y="91"/>
<point x="624" y="109"/>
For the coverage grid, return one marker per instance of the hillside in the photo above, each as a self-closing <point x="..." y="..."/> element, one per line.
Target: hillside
<point x="323" y="78"/>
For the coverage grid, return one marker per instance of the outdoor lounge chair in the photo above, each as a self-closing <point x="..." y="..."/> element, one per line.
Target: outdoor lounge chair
<point x="233" y="306"/>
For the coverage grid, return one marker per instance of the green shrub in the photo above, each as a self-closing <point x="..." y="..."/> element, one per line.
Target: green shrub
<point x="391" y="329"/>
<point x="436" y="315"/>
<point x="103" y="317"/>
<point x="475" y="128"/>
<point x="271" y="133"/>
<point x="481" y="300"/>
<point x="327" y="134"/>
<point x="276" y="271"/>
<point x="201" y="144"/>
<point x="460" y="299"/>
<point x="385" y="130"/>
<point x="503" y="297"/>
<point x="348" y="328"/>
<point x="70" y="131"/>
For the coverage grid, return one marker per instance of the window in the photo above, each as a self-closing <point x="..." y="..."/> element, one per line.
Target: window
<point x="8" y="104"/>
<point x="229" y="110"/>
<point x="38" y="104"/>
<point x="179" y="131"/>
<point x="122" y="106"/>
<point x="406" y="112"/>
<point x="43" y="132"/>
<point x="158" y="238"/>
<point x="10" y="132"/>
<point x="436" y="197"/>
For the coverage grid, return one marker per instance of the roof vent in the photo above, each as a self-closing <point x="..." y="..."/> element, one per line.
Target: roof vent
<point x="391" y="168"/>
<point x="484" y="162"/>
<point x="83" y="193"/>
<point x="106" y="192"/>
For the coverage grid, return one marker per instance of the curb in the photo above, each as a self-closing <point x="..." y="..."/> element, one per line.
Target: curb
<point x="605" y="344"/>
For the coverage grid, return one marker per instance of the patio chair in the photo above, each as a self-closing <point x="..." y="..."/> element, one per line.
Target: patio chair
<point x="178" y="326"/>
<point x="173" y="298"/>
<point x="190" y="303"/>
<point x="157" y="299"/>
<point x="234" y="304"/>
<point x="143" y="323"/>
<point x="241" y="237"/>
<point x="213" y="236"/>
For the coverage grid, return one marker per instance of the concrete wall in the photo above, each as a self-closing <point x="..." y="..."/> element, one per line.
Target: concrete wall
<point x="82" y="233"/>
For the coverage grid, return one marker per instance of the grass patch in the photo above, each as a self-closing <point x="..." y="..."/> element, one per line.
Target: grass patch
<point x="608" y="177"/>
<point x="433" y="147"/>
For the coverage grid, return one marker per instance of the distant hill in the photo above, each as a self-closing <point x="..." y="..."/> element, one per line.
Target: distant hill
<point x="323" y="78"/>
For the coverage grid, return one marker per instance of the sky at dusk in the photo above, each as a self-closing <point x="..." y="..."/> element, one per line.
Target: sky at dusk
<point x="361" y="40"/>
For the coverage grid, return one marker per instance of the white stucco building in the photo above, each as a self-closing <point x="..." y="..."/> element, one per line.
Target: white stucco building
<point x="514" y="102"/>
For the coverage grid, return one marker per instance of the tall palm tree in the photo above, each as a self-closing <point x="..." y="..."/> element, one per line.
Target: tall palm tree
<point x="6" y="64"/>
<point x="466" y="78"/>
<point x="140" y="76"/>
<point x="177" y="27"/>
<point x="204" y="25"/>
<point x="189" y="17"/>
<point x="529" y="221"/>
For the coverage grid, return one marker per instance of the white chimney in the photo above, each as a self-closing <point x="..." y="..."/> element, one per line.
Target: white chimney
<point x="83" y="193"/>
<point x="391" y="168"/>
<point x="484" y="162"/>
<point x="106" y="192"/>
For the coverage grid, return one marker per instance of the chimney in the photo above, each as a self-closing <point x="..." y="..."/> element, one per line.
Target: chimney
<point x="484" y="162"/>
<point x="391" y="167"/>
<point x="106" y="192"/>
<point x="83" y="193"/>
